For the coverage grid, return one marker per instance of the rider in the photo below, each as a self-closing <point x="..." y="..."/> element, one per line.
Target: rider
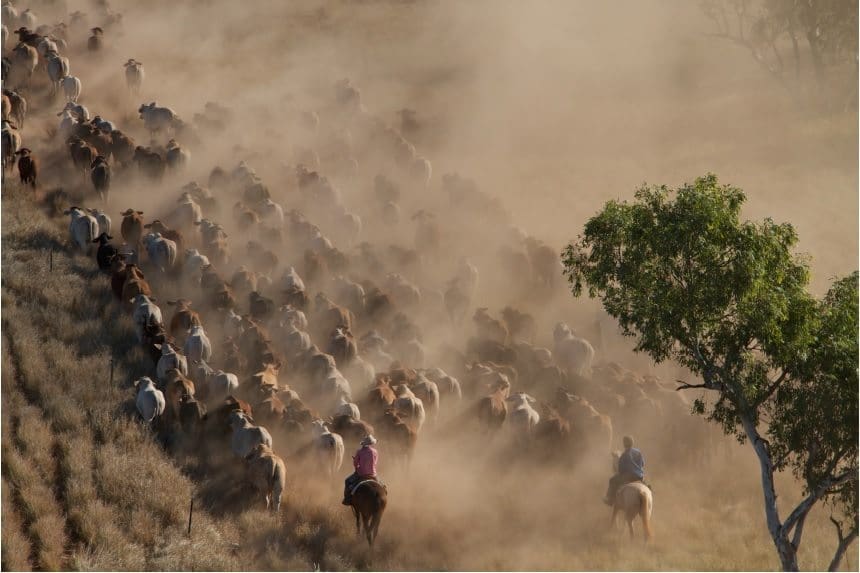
<point x="631" y="468"/>
<point x="364" y="461"/>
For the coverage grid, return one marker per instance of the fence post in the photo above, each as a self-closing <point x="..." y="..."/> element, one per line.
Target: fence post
<point x="111" y="371"/>
<point x="190" y="513"/>
<point x="51" y="259"/>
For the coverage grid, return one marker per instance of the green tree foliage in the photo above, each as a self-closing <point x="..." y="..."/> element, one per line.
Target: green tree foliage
<point x="727" y="299"/>
<point x="799" y="42"/>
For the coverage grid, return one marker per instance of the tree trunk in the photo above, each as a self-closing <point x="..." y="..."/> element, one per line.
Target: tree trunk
<point x="786" y="551"/>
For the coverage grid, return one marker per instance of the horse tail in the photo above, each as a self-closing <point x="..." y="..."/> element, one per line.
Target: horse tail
<point x="645" y="510"/>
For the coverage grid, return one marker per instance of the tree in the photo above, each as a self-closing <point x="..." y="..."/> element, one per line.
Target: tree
<point x="796" y="41"/>
<point x="727" y="299"/>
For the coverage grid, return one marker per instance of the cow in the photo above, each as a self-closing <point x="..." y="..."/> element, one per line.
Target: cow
<point x="156" y="118"/>
<point x="161" y="251"/>
<point x="177" y="386"/>
<point x="134" y="75"/>
<point x="184" y="318"/>
<point x="83" y="228"/>
<point x="131" y="227"/>
<point x="150" y="400"/>
<point x="410" y="407"/>
<point x="346" y="408"/>
<point x="106" y="252"/>
<point x="145" y="312"/>
<point x="268" y="474"/>
<point x="522" y="417"/>
<point x="492" y="410"/>
<point x="197" y="345"/>
<point x="246" y="436"/>
<point x="28" y="167"/>
<point x="328" y="446"/>
<point x="100" y="175"/>
<point x="573" y="354"/>
<point x="170" y="359"/>
<point x="133" y="286"/>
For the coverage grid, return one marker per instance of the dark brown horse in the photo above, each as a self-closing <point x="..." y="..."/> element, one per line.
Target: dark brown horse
<point x="368" y="504"/>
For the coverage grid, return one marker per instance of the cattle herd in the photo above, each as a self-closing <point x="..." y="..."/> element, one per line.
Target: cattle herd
<point x="286" y="322"/>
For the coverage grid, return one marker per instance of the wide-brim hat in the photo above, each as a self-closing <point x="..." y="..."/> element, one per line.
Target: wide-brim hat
<point x="368" y="441"/>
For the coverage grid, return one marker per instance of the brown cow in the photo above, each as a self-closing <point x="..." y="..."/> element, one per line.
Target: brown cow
<point x="177" y="387"/>
<point x="352" y="430"/>
<point x="270" y="410"/>
<point x="401" y="437"/>
<point x="134" y="285"/>
<point x="266" y="380"/>
<point x="379" y="398"/>
<point x="492" y="410"/>
<point x="132" y="227"/>
<point x="184" y="318"/>
<point x="520" y="325"/>
<point x="488" y="327"/>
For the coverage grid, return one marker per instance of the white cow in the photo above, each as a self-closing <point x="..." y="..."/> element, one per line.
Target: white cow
<point x="103" y="219"/>
<point x="161" y="251"/>
<point x="522" y="417"/>
<point x="572" y="353"/>
<point x="150" y="400"/>
<point x="197" y="345"/>
<point x="83" y="228"/>
<point x="71" y="88"/>
<point x="409" y="406"/>
<point x="233" y="325"/>
<point x="188" y="212"/>
<point x="134" y="75"/>
<point x="27" y="19"/>
<point x="246" y="436"/>
<point x="195" y="263"/>
<point x="347" y="408"/>
<point x="57" y="67"/>
<point x="294" y="317"/>
<point x="270" y="211"/>
<point x="169" y="360"/>
<point x="145" y="312"/>
<point x="291" y="281"/>
<point x="329" y="447"/>
<point x="222" y="384"/>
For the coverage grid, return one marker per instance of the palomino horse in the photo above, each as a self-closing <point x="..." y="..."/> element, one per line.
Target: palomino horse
<point x="368" y="503"/>
<point x="634" y="499"/>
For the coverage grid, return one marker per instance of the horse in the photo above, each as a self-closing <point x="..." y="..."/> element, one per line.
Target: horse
<point x="368" y="503"/>
<point x="634" y="499"/>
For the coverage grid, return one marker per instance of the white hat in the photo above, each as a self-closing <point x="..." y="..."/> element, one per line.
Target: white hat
<point x="368" y="441"/>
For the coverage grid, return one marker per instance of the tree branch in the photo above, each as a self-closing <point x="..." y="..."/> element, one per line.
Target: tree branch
<point x="771" y="389"/>
<point x="844" y="543"/>
<point x="685" y="386"/>
<point x="804" y="506"/>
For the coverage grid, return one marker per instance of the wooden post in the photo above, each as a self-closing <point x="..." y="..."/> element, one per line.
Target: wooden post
<point x="190" y="513"/>
<point x="51" y="260"/>
<point x="111" y="371"/>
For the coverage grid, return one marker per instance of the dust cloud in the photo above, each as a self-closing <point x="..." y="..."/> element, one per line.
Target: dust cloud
<point x="552" y="108"/>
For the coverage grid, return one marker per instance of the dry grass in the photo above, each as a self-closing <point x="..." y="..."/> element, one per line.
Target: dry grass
<point x="86" y="487"/>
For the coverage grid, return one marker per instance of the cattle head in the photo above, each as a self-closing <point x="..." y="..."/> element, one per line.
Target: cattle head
<point x="103" y="239"/>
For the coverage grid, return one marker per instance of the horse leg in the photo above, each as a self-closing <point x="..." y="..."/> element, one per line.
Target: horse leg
<point x="368" y="529"/>
<point x="357" y="520"/>
<point x="612" y="519"/>
<point x="630" y="527"/>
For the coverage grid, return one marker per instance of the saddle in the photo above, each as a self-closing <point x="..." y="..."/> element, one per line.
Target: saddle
<point x="367" y="480"/>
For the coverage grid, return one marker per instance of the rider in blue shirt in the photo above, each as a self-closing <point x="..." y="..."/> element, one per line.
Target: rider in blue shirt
<point x="631" y="468"/>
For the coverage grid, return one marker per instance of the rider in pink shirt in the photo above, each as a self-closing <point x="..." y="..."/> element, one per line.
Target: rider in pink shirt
<point x="364" y="461"/>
